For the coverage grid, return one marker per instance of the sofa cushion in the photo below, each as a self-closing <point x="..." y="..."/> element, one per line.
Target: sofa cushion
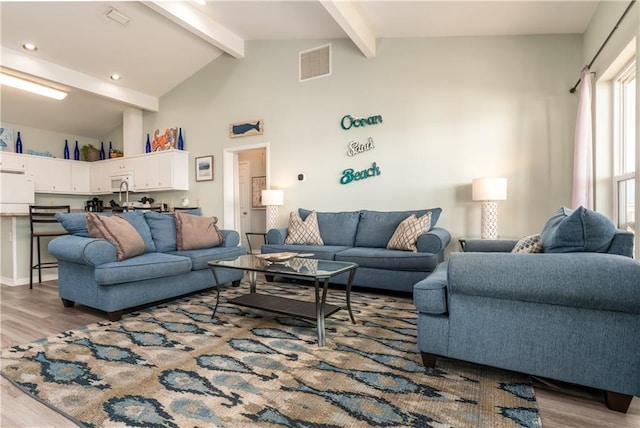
<point x="376" y="228"/>
<point x="194" y="232"/>
<point x="337" y="228"/>
<point x="528" y="244"/>
<point x="303" y="231"/>
<point x="163" y="229"/>
<point x="199" y="258"/>
<point x="142" y="267"/>
<point x="406" y="235"/>
<point x="119" y="232"/>
<point x="381" y="258"/>
<point x="570" y="231"/>
<point x="76" y="224"/>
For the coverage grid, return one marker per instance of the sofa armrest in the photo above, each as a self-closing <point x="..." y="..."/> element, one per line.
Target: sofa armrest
<point x="231" y="238"/>
<point x="584" y="280"/>
<point x="277" y="236"/>
<point x="434" y="241"/>
<point x="86" y="251"/>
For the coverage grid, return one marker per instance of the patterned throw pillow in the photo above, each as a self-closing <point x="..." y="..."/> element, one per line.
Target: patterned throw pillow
<point x="194" y="232"/>
<point x="529" y="244"/>
<point x="303" y="232"/>
<point x="119" y="232"/>
<point x="406" y="235"/>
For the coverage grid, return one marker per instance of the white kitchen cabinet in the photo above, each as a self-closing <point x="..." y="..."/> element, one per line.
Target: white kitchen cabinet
<point x="50" y="175"/>
<point x="100" y="174"/>
<point x="80" y="178"/>
<point x="12" y="162"/>
<point x="166" y="170"/>
<point x="118" y="166"/>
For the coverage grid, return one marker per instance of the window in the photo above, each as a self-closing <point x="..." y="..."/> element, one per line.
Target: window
<point x="625" y="147"/>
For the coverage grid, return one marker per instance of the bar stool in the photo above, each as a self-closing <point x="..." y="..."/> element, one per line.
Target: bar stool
<point x="39" y="214"/>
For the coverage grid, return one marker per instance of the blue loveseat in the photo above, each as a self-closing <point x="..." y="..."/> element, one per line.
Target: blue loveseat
<point x="361" y="237"/>
<point x="570" y="314"/>
<point x="90" y="274"/>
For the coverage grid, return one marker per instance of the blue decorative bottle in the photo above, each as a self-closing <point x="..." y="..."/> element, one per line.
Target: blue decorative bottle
<point x="180" y="140"/>
<point x="66" y="149"/>
<point x="103" y="155"/>
<point x="19" y="144"/>
<point x="76" y="152"/>
<point x="147" y="147"/>
<point x="110" y="149"/>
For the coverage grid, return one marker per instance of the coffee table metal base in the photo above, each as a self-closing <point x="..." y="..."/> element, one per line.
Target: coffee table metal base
<point x="318" y="310"/>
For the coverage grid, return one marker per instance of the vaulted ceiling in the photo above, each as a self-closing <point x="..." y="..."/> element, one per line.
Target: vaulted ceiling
<point x="164" y="43"/>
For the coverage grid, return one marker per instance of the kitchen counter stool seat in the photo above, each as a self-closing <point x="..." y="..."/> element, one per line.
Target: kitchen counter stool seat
<point x="42" y="215"/>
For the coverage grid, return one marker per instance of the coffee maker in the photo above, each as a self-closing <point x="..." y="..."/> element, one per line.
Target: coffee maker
<point x="94" y="205"/>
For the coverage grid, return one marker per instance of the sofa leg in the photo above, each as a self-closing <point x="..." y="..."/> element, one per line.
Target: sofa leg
<point x="429" y="360"/>
<point x="269" y="278"/>
<point x="114" y="316"/>
<point x="68" y="303"/>
<point x="235" y="283"/>
<point x="617" y="402"/>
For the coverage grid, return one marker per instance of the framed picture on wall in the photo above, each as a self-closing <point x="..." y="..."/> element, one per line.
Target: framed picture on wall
<point x="204" y="168"/>
<point x="258" y="184"/>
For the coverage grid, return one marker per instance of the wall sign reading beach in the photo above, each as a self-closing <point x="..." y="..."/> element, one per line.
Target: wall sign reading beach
<point x="349" y="174"/>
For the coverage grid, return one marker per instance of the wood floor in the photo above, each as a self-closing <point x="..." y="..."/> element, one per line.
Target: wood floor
<point x="26" y="315"/>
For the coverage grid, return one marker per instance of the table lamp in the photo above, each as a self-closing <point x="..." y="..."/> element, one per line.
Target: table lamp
<point x="272" y="199"/>
<point x="489" y="190"/>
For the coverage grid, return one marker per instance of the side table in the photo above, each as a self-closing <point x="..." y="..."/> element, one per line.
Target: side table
<point x="501" y="245"/>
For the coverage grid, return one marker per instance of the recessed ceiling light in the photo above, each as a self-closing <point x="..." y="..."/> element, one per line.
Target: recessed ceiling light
<point x="30" y="47"/>
<point x="115" y="76"/>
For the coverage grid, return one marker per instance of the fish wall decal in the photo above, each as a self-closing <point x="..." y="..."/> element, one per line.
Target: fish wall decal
<point x="243" y="129"/>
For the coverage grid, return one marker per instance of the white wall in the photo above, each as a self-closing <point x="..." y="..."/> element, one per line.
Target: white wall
<point x="453" y="109"/>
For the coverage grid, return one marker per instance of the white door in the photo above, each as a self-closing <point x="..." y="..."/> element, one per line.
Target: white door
<point x="244" y="188"/>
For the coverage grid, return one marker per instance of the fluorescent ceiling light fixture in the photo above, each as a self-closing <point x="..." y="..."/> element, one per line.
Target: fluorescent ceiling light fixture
<point x="116" y="15"/>
<point x="29" y="47"/>
<point x="32" y="87"/>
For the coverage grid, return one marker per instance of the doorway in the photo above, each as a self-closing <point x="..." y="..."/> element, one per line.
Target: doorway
<point x="239" y="166"/>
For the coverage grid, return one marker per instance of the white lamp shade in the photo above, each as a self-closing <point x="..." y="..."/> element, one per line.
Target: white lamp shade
<point x="489" y="189"/>
<point x="272" y="197"/>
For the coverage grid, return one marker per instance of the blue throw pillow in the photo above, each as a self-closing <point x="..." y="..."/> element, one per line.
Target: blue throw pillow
<point x="136" y="218"/>
<point x="163" y="229"/>
<point x="74" y="223"/>
<point x="582" y="230"/>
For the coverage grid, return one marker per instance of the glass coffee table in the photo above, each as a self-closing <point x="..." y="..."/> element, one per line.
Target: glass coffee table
<point x="295" y="267"/>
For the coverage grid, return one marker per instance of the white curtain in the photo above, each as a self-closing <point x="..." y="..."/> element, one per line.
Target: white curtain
<point x="583" y="147"/>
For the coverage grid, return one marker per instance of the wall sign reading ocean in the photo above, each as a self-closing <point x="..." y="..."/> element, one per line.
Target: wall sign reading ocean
<point x="349" y="121"/>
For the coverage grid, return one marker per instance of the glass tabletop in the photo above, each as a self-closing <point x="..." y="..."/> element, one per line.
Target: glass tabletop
<point x="298" y="266"/>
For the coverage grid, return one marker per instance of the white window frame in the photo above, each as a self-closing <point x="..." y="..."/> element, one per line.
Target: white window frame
<point x="620" y="176"/>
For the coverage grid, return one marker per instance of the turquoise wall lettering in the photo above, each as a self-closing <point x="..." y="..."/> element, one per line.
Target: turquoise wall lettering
<point x="349" y="175"/>
<point x="349" y="121"/>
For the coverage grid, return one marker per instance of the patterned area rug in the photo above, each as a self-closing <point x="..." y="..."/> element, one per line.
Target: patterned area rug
<point x="174" y="366"/>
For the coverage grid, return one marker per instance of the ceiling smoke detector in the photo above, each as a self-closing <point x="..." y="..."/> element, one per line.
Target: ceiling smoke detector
<point x="115" y="15"/>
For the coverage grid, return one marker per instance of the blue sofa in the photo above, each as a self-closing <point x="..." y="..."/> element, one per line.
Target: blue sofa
<point x="361" y="237"/>
<point x="90" y="274"/>
<point x="572" y="316"/>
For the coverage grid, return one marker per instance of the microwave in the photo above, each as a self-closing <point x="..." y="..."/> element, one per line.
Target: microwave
<point x="117" y="180"/>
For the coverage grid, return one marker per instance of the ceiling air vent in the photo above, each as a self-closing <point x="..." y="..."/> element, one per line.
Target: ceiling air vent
<point x="315" y="63"/>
